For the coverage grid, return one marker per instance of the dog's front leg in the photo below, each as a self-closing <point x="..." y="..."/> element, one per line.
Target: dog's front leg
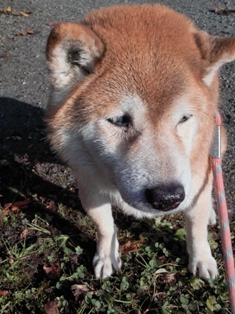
<point x="106" y="259"/>
<point x="197" y="219"/>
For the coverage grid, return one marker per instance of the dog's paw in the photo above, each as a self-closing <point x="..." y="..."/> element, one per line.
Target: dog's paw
<point x="206" y="267"/>
<point x="105" y="266"/>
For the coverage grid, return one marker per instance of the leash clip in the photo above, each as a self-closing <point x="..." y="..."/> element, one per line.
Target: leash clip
<point x="215" y="150"/>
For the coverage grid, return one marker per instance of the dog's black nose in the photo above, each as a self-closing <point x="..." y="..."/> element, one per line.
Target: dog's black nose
<point x="165" y="197"/>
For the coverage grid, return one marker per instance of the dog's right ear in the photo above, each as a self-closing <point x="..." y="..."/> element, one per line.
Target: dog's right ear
<point x="215" y="51"/>
<point x="72" y="52"/>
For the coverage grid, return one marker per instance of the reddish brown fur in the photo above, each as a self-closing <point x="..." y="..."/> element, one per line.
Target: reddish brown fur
<point x="134" y="67"/>
<point x="155" y="56"/>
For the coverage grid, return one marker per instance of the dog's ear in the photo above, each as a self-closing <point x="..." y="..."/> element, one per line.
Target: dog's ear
<point x="215" y="51"/>
<point x="72" y="53"/>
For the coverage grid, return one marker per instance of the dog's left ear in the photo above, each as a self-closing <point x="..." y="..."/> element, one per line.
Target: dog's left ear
<point x="215" y="51"/>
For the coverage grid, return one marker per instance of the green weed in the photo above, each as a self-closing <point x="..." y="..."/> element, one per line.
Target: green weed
<point x="43" y="261"/>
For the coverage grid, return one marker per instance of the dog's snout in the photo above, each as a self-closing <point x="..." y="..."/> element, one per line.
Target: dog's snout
<point x="165" y="197"/>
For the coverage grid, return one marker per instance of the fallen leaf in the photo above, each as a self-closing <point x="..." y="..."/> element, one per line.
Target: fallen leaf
<point x="4" y="162"/>
<point x="15" y="206"/>
<point x="51" y="307"/>
<point x="170" y="278"/>
<point x="4" y="292"/>
<point x="221" y="11"/>
<point x="53" y="271"/>
<point x="51" y="205"/>
<point x="43" y="199"/>
<point x="24" y="233"/>
<point x="130" y="247"/>
<point x="24" y="14"/>
<point x="16" y="138"/>
<point x="7" y="10"/>
<point x="6" y="207"/>
<point x="24" y="33"/>
<point x="79" y="290"/>
<point x="20" y="204"/>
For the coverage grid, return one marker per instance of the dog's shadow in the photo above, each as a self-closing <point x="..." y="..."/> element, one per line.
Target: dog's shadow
<point x="28" y="168"/>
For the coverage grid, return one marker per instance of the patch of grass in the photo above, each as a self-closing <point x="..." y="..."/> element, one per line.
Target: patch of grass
<point x="46" y="263"/>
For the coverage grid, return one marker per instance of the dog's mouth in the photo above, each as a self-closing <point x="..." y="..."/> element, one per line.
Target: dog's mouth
<point x="162" y="207"/>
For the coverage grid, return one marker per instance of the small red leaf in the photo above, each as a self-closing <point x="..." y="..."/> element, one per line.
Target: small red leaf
<point x="4" y="292"/>
<point x="53" y="271"/>
<point x="130" y="247"/>
<point x="51" y="307"/>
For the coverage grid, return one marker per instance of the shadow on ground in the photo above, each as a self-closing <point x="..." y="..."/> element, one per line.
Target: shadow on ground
<point x="28" y="168"/>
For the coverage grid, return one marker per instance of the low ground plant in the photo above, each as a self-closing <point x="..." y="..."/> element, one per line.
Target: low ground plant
<point x="46" y="252"/>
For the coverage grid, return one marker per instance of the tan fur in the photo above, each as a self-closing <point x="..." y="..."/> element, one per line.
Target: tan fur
<point x="150" y="66"/>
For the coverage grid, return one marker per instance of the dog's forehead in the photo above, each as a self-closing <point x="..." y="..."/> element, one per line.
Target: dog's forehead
<point x="113" y="95"/>
<point x="147" y="49"/>
<point x="138" y="108"/>
<point x="143" y="33"/>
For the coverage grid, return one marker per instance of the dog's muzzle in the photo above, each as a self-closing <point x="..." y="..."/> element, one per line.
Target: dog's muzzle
<point x="165" y="197"/>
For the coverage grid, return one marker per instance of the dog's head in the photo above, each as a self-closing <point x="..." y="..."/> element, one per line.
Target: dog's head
<point x="134" y="91"/>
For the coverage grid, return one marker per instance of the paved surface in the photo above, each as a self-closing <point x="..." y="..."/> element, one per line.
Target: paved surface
<point x="23" y="71"/>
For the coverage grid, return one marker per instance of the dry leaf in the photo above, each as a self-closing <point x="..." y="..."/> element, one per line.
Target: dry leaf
<point x="15" y="206"/>
<point x="7" y="10"/>
<point x="43" y="199"/>
<point x="79" y="290"/>
<point x="51" y="307"/>
<point x="24" y="14"/>
<point x="24" y="233"/>
<point x="7" y="207"/>
<point x="16" y="138"/>
<point x="221" y="11"/>
<point x="3" y="162"/>
<point x="170" y="278"/>
<point x="4" y="292"/>
<point x="129" y="246"/>
<point x="51" y="205"/>
<point x="53" y="271"/>
<point x="20" y="204"/>
<point x="24" y="33"/>
<point x="29" y="32"/>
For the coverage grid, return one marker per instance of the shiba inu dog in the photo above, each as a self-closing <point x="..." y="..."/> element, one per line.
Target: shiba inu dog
<point x="131" y="111"/>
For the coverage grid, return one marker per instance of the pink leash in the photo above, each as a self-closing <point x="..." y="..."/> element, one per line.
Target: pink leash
<point x="223" y="212"/>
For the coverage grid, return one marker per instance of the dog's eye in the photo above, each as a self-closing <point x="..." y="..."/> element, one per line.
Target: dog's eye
<point x="185" y="118"/>
<point x="124" y="120"/>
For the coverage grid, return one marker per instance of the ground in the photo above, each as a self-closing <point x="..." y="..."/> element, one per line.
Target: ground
<point x="46" y="241"/>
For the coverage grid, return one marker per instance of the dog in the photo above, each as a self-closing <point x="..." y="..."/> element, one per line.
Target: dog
<point x="131" y="111"/>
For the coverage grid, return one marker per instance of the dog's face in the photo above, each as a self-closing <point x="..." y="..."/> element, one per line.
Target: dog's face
<point x="133" y="102"/>
<point x="138" y="149"/>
